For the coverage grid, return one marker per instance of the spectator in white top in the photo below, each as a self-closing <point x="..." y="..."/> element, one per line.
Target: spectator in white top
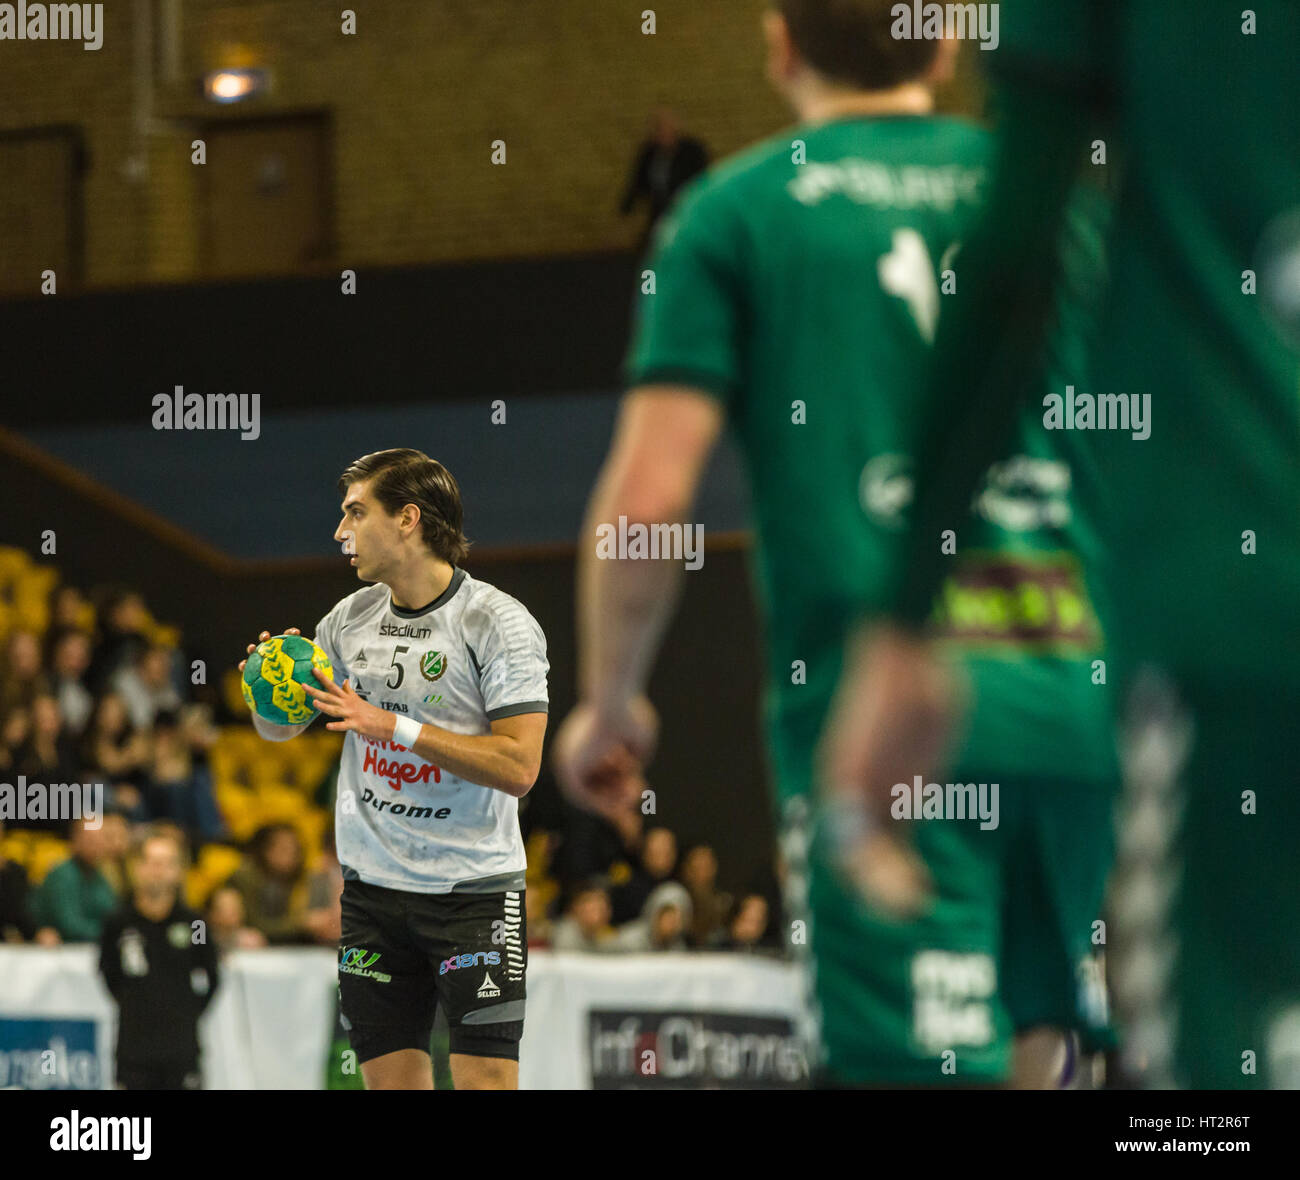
<point x="70" y="657"/>
<point x="146" y="687"/>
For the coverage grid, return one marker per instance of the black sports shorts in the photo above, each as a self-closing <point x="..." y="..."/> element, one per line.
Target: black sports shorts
<point x="402" y="954"/>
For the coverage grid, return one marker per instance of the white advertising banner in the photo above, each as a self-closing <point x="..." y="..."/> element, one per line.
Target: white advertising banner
<point x="593" y="1021"/>
<point x="662" y="1021"/>
<point x="269" y="1027"/>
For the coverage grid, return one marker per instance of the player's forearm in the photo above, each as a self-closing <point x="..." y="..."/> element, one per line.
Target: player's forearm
<point x="991" y="338"/>
<point x="493" y="760"/>
<point x="624" y="604"/>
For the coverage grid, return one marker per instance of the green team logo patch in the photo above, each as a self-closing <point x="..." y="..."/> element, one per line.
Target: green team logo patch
<point x="1040" y="603"/>
<point x="356" y="960"/>
<point x="433" y="664"/>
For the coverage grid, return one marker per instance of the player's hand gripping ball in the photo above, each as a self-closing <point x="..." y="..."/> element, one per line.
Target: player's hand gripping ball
<point x="274" y="676"/>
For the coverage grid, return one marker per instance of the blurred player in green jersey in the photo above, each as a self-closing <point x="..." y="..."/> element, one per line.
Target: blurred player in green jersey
<point x="1200" y="508"/>
<point x="796" y="291"/>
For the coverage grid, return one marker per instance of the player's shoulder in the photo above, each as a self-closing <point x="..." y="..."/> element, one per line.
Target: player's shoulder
<point x="727" y="183"/>
<point x="489" y="610"/>
<point x="357" y="604"/>
<point x="736" y="184"/>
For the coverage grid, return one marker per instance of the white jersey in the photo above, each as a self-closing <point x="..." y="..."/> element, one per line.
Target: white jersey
<point x="470" y="657"/>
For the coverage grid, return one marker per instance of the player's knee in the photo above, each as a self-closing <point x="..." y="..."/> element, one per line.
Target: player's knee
<point x="400" y="1069"/>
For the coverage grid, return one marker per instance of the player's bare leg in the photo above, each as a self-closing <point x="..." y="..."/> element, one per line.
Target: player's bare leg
<point x="484" y="1073"/>
<point x="406" y="1069"/>
<point x="1039" y="1059"/>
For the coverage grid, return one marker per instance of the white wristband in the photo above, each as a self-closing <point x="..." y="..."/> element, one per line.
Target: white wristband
<point x="407" y="732"/>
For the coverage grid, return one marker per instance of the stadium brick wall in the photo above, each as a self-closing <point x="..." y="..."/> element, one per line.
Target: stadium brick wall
<point x="416" y="98"/>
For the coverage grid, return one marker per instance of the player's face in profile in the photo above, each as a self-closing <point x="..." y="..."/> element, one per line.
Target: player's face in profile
<point x="367" y="533"/>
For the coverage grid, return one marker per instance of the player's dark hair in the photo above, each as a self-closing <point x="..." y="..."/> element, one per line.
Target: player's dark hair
<point x="851" y="42"/>
<point x="402" y="476"/>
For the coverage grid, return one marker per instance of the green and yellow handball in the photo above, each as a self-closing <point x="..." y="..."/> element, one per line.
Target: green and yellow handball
<point x="275" y="674"/>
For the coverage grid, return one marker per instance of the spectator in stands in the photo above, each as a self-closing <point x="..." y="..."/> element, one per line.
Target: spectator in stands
<point x="45" y="757"/>
<point x="21" y="678"/>
<point x="226" y="924"/>
<point x="146" y="687"/>
<point x="48" y="756"/>
<point x="324" y="891"/>
<point x="274" y="886"/>
<point x="747" y="928"/>
<point x="14" y="728"/>
<point x="700" y="875"/>
<point x="123" y="619"/>
<point x="663" y="925"/>
<point x="591" y="847"/>
<point x="115" y="750"/>
<point x="15" y="920"/>
<point x="76" y="897"/>
<point x="70" y="660"/>
<point x="174" y="788"/>
<point x="585" y="925"/>
<point x="654" y="866"/>
<point x="666" y="161"/>
<point x="70" y="611"/>
<point x="161" y="969"/>
<point x="117" y="848"/>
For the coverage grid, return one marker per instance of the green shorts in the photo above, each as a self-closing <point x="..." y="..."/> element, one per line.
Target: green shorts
<point x="1012" y="941"/>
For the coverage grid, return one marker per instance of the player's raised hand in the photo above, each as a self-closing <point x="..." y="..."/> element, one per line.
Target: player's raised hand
<point x="892" y="719"/>
<point x="265" y="635"/>
<point x="600" y="760"/>
<point x="350" y="712"/>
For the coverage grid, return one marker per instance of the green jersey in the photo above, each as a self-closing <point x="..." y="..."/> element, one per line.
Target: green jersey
<point x="1020" y="604"/>
<point x="1202" y="327"/>
<point x="800" y="283"/>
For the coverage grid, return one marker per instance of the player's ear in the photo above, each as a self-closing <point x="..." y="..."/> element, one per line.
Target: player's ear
<point x="411" y="517"/>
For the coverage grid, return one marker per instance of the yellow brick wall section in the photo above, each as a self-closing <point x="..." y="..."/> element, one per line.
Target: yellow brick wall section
<point x="417" y="98"/>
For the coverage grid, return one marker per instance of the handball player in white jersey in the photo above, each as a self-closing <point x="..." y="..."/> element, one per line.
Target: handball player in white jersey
<point x="440" y="688"/>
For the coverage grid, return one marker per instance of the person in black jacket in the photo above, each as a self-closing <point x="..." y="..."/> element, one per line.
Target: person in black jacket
<point x="16" y="923"/>
<point x="666" y="161"/>
<point x="161" y="968"/>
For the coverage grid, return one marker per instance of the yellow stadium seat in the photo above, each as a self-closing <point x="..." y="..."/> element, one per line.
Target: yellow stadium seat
<point x="46" y="852"/>
<point x="215" y="864"/>
<point x="233" y="694"/>
<point x="17" y="846"/>
<point x="239" y="808"/>
<point x="218" y="861"/>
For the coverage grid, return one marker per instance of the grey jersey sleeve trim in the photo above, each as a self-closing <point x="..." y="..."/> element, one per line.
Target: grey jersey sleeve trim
<point x="514" y="710"/>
